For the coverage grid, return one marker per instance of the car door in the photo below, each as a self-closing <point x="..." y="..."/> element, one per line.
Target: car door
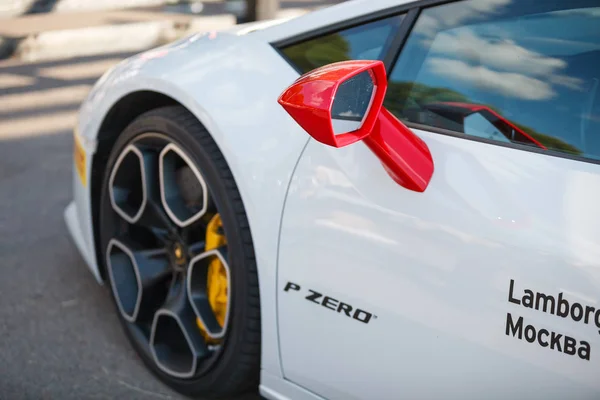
<point x="485" y="285"/>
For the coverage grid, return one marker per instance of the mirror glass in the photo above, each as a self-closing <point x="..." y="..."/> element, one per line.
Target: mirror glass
<point x="352" y="103"/>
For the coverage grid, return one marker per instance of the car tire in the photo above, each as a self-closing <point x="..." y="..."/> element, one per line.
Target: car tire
<point x="229" y="366"/>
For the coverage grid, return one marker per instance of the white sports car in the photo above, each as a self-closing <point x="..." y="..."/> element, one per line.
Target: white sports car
<point x="383" y="199"/>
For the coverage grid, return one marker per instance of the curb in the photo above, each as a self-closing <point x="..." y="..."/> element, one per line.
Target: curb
<point x="128" y="37"/>
<point x="100" y="5"/>
<point x="103" y="39"/>
<point x="16" y="8"/>
<point x="61" y="44"/>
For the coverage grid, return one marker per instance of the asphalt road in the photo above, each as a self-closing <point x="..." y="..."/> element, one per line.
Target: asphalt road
<point x="59" y="334"/>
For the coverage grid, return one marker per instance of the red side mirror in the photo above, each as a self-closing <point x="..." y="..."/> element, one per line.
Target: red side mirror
<point x="342" y="103"/>
<point x="311" y="98"/>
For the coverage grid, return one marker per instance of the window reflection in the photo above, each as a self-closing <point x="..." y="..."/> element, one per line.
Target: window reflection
<point x="511" y="71"/>
<point x="369" y="41"/>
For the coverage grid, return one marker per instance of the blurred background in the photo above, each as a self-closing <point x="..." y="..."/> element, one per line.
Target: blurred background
<point x="59" y="334"/>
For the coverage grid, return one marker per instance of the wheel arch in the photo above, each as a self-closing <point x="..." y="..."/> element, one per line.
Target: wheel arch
<point x="122" y="113"/>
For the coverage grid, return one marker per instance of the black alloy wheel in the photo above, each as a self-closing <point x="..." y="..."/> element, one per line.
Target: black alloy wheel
<point x="179" y="256"/>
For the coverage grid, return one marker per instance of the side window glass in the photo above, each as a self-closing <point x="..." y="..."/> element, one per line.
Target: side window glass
<point x="523" y="72"/>
<point x="365" y="42"/>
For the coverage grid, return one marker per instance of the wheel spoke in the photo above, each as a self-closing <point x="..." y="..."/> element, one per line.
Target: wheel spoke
<point x="155" y="218"/>
<point x="175" y="340"/>
<point x="127" y="186"/>
<point x="196" y="248"/>
<point x="183" y="192"/>
<point x="200" y="295"/>
<point x="138" y="277"/>
<point x="154" y="215"/>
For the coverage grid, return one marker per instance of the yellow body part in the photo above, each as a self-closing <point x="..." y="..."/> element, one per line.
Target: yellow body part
<point x="80" y="159"/>
<point x="216" y="283"/>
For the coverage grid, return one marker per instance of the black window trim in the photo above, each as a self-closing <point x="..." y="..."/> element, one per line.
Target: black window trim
<point x="412" y="10"/>
<point x="281" y="54"/>
<point x="511" y="145"/>
<point x="398" y="41"/>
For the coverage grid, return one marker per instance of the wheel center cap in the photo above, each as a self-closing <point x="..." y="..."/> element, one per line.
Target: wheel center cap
<point x="179" y="254"/>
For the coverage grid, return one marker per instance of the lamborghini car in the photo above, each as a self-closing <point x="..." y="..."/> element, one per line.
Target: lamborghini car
<point x="382" y="199"/>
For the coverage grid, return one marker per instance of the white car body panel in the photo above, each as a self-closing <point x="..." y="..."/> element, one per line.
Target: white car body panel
<point x="435" y="269"/>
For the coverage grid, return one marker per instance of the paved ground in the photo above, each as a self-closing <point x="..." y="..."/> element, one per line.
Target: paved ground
<point x="59" y="335"/>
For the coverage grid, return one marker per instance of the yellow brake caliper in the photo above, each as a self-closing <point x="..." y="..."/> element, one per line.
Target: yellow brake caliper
<point x="216" y="280"/>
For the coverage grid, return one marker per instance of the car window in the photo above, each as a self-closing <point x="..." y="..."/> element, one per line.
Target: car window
<point x="523" y="72"/>
<point x="370" y="41"/>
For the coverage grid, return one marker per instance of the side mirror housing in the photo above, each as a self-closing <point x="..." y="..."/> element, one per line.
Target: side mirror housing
<point x="342" y="103"/>
<point x="321" y="100"/>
